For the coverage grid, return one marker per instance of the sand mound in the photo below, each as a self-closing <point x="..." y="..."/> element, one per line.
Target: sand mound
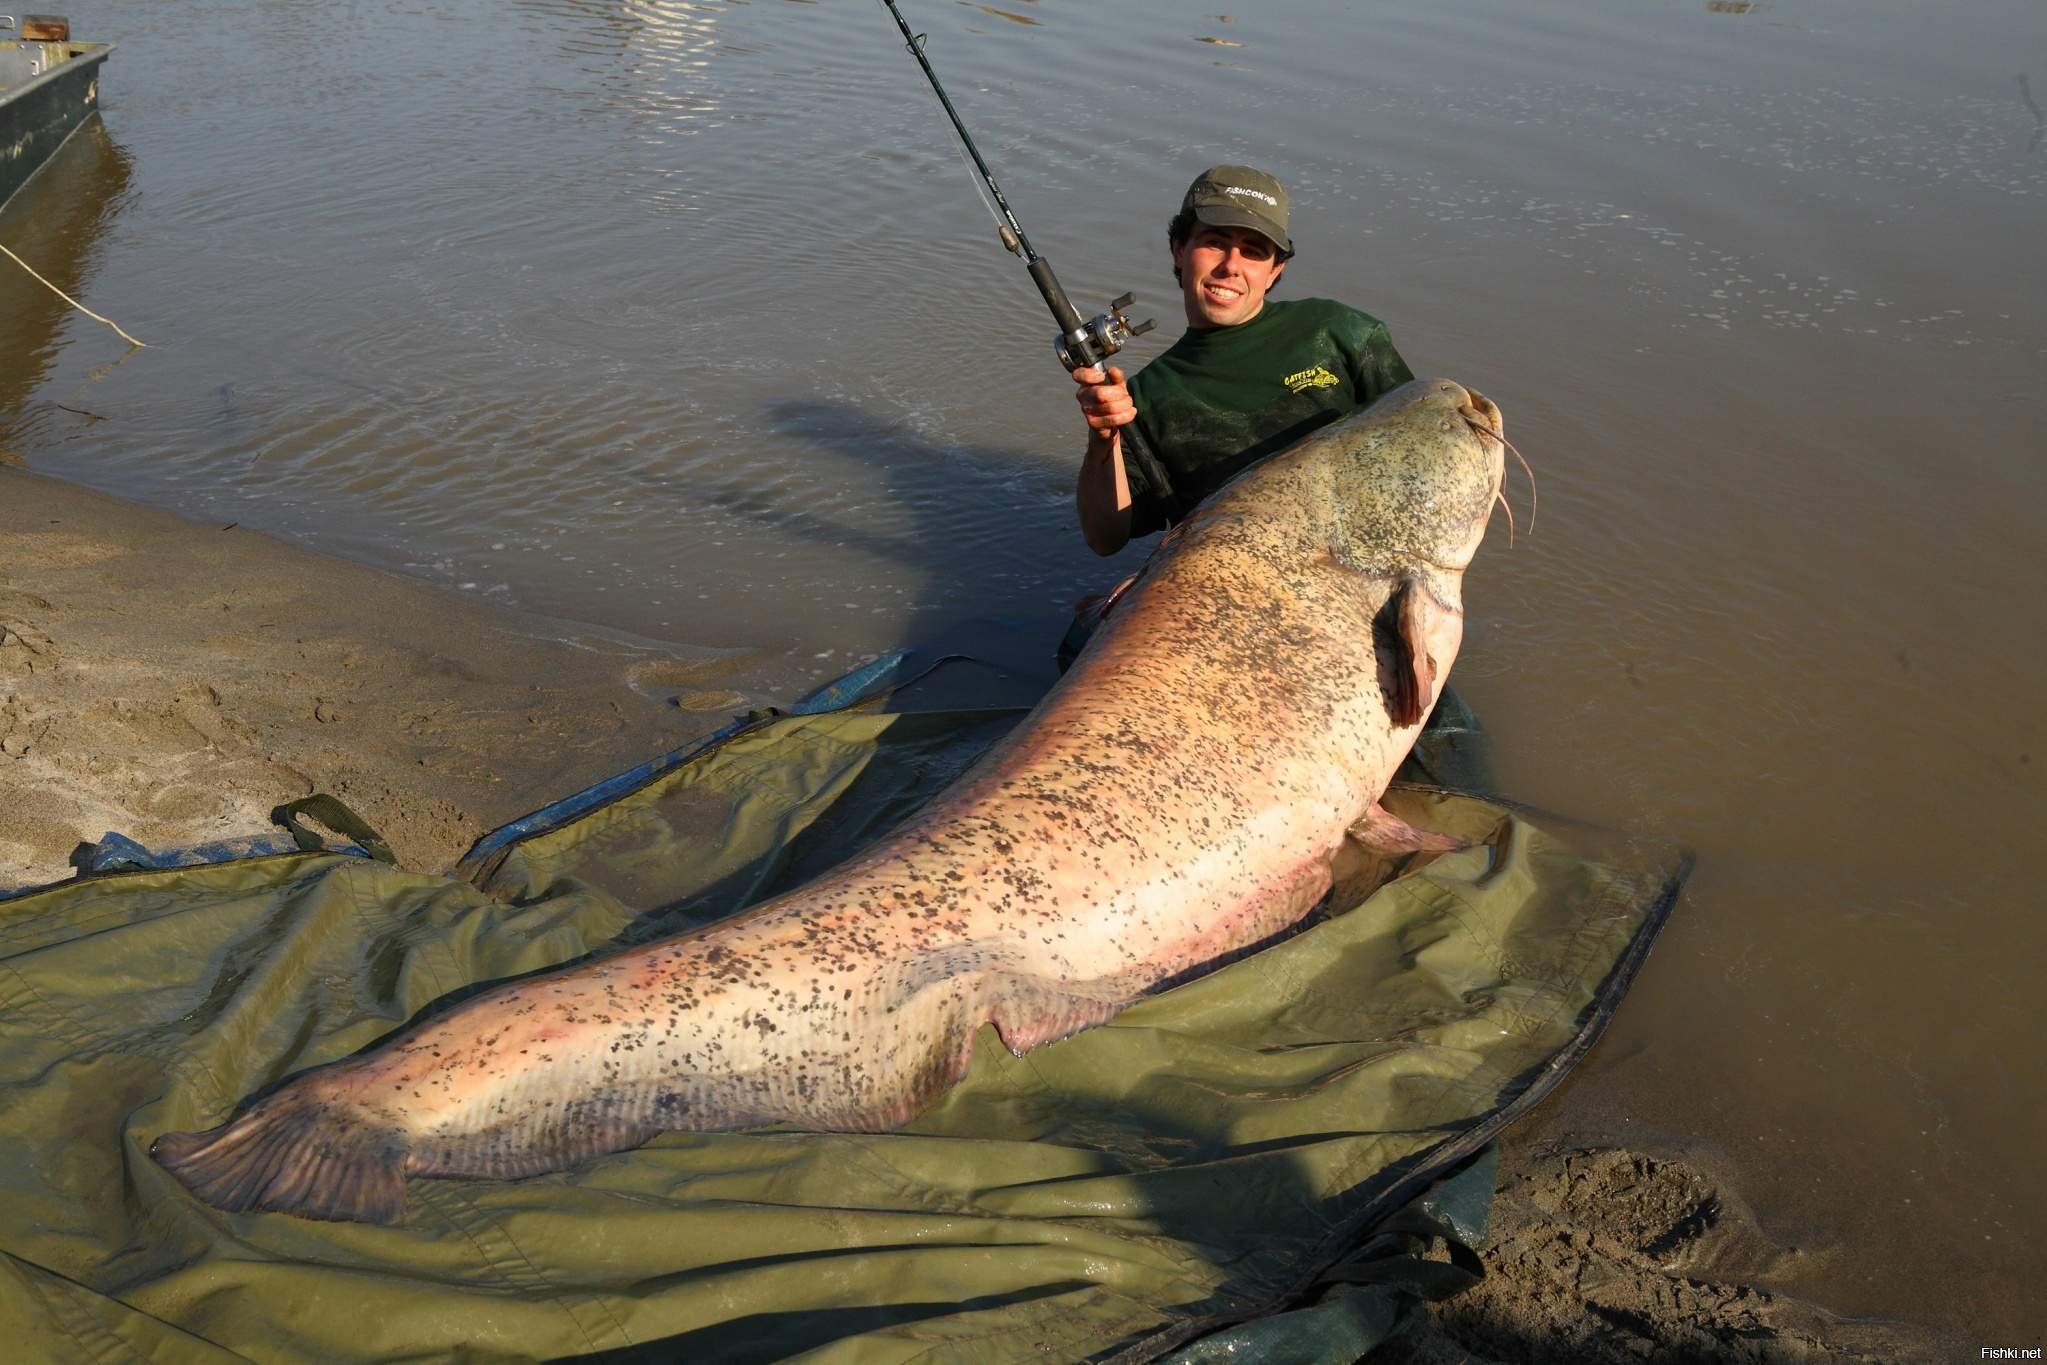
<point x="1617" y="1257"/>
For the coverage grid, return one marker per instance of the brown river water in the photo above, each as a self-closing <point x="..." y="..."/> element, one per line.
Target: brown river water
<point x="681" y="317"/>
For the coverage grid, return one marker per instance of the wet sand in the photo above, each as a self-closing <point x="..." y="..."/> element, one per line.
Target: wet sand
<point x="175" y="680"/>
<point x="1608" y="1256"/>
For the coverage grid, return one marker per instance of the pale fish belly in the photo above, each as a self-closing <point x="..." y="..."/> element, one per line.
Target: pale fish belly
<point x="862" y="1056"/>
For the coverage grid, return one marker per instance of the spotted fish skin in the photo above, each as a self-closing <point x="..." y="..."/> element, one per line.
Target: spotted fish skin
<point x="1181" y="794"/>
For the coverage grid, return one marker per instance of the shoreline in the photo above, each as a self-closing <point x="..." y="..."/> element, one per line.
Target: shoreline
<point x="174" y="681"/>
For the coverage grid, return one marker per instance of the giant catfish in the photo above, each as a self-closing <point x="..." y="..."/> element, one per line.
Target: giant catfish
<point x="1181" y="795"/>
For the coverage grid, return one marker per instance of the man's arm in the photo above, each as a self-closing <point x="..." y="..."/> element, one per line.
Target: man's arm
<point x="1102" y="493"/>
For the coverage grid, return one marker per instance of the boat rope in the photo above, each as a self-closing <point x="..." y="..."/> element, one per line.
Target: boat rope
<point x="73" y="302"/>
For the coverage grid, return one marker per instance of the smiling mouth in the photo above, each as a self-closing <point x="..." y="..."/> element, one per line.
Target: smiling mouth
<point x="1222" y="293"/>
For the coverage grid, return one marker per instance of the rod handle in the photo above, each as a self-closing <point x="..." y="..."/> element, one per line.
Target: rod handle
<point x="1055" y="297"/>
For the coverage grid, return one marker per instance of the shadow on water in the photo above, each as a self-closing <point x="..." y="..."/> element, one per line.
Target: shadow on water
<point x="991" y="529"/>
<point x="55" y="223"/>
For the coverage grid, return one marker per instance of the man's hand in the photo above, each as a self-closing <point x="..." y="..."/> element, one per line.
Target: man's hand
<point x="1104" y="400"/>
<point x="1102" y="493"/>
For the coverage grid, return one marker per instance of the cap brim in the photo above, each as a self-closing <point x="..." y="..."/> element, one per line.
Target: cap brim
<point x="1229" y="215"/>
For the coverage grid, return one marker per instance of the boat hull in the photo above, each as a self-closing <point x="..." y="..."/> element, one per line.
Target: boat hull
<point x="46" y="91"/>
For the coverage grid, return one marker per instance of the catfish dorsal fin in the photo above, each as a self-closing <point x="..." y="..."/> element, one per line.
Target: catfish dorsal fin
<point x="1403" y="626"/>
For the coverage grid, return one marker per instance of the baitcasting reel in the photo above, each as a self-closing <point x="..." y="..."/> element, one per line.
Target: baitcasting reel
<point x="1079" y="344"/>
<point x="1100" y="337"/>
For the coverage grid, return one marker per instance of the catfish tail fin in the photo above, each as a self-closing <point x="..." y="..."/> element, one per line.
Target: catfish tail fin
<point x="295" y="1152"/>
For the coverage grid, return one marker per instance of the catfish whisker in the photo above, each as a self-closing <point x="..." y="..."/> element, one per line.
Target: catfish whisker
<point x="1532" y="499"/>
<point x="1484" y="426"/>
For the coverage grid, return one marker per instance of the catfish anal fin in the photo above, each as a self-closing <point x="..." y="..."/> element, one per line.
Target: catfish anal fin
<point x="1382" y="831"/>
<point x="1029" y="1011"/>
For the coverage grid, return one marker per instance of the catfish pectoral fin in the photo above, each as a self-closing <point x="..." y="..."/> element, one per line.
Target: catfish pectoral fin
<point x="1414" y="666"/>
<point x="295" y="1153"/>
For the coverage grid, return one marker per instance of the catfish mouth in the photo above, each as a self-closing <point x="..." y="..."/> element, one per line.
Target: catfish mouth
<point x="1483" y="414"/>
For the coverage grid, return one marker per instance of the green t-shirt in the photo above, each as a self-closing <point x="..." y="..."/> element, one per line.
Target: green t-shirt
<point x="1222" y="398"/>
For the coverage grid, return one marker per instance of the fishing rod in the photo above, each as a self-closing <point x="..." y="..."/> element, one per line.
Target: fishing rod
<point x="1078" y="343"/>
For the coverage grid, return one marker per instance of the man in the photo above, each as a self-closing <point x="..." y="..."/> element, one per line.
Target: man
<point x="1250" y="376"/>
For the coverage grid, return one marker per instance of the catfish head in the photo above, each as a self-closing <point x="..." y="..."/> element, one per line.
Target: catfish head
<point x="1412" y="481"/>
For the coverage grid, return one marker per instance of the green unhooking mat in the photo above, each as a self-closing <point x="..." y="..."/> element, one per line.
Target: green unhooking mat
<point x="1218" y="1154"/>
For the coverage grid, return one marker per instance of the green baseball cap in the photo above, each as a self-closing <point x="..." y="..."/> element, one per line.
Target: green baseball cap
<point x="1240" y="196"/>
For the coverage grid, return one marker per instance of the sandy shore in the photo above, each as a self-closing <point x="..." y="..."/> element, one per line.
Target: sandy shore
<point x="175" y="681"/>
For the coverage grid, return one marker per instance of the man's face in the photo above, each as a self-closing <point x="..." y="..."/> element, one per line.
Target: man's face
<point x="1224" y="273"/>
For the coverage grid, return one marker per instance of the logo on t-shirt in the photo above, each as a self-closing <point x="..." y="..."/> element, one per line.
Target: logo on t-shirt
<point x="1317" y="378"/>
